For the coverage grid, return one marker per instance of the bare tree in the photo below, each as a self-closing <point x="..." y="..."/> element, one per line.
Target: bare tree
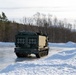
<point x="49" y="20"/>
<point x="55" y="21"/>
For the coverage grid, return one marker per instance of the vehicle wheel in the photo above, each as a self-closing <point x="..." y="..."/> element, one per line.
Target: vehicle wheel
<point x="21" y="55"/>
<point x="18" y="55"/>
<point x="38" y="55"/>
<point x="47" y="52"/>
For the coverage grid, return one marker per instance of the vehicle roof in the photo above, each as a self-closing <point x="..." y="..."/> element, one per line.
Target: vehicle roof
<point x="29" y="33"/>
<point x="26" y="33"/>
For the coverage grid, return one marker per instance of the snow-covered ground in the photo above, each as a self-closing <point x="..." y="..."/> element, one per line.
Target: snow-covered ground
<point x="6" y="44"/>
<point x="60" y="61"/>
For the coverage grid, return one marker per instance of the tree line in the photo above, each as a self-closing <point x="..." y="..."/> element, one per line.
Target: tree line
<point x="56" y="30"/>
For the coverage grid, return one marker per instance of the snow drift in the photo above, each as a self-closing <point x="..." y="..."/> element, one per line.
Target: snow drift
<point x="68" y="44"/>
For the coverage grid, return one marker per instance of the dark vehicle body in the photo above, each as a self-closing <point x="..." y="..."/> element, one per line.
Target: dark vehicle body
<point x="31" y="43"/>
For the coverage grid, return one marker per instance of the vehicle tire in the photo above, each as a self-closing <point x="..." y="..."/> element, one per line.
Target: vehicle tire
<point x="47" y="52"/>
<point x="21" y="55"/>
<point x="38" y="55"/>
<point x="18" y="55"/>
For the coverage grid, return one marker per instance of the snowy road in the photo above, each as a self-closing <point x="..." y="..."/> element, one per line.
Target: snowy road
<point x="7" y="56"/>
<point x="60" y="61"/>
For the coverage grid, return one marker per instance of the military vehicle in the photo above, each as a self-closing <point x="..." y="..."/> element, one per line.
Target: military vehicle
<point x="31" y="43"/>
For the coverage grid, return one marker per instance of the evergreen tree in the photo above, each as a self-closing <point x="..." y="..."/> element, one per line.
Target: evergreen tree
<point x="3" y="17"/>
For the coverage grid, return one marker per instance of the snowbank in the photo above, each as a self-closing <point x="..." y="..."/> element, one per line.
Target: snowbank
<point x="61" y="63"/>
<point x="68" y="44"/>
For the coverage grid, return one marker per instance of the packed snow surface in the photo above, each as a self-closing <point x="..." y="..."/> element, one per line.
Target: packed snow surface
<point x="60" y="61"/>
<point x="5" y="44"/>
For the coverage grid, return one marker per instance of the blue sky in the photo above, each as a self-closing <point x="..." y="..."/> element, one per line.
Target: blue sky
<point x="27" y="8"/>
